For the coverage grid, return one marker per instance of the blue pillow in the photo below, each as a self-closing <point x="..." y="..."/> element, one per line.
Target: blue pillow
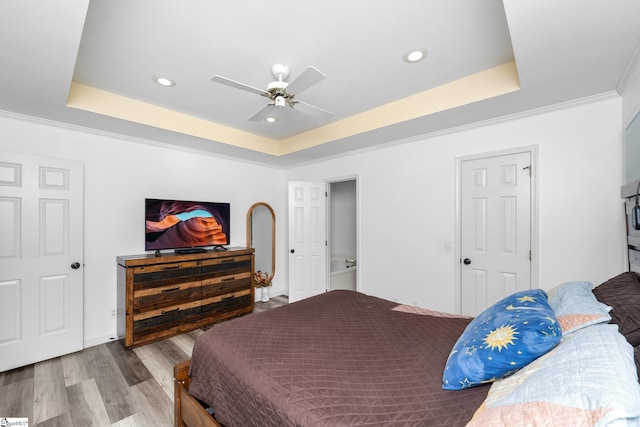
<point x="501" y="340"/>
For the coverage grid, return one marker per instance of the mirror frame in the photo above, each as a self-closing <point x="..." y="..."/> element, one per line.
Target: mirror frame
<point x="273" y="231"/>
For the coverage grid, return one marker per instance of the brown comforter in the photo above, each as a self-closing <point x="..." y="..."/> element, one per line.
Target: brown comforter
<point x="337" y="359"/>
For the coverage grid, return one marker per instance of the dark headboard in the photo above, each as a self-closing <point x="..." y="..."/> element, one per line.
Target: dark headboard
<point x="628" y="192"/>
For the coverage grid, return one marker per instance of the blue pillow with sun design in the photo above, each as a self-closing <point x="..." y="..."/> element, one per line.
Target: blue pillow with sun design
<point x="501" y="340"/>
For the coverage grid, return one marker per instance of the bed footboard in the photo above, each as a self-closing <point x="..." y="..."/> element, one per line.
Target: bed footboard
<point x="188" y="412"/>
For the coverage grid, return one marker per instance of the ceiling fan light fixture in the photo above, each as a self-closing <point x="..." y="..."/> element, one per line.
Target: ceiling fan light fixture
<point x="163" y="81"/>
<point x="280" y="101"/>
<point x="271" y="119"/>
<point x="414" y="55"/>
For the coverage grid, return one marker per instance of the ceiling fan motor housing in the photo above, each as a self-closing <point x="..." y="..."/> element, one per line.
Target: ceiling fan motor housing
<point x="280" y="71"/>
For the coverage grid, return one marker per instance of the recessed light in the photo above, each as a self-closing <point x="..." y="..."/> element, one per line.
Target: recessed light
<point x="414" y="55"/>
<point x="163" y="81"/>
<point x="271" y="119"/>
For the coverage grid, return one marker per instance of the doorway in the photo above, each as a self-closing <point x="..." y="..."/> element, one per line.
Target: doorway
<point x="343" y="235"/>
<point x="496" y="228"/>
<point x="41" y="258"/>
<point x="307" y="239"/>
<point x="321" y="224"/>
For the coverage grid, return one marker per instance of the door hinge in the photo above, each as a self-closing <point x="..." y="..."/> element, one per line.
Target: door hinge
<point x="326" y="194"/>
<point x="529" y="255"/>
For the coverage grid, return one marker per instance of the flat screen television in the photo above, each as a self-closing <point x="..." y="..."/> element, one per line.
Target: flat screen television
<point x="185" y="226"/>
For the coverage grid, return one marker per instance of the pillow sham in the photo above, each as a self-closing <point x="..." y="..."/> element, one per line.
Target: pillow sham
<point x="573" y="384"/>
<point x="622" y="292"/>
<point x="502" y="339"/>
<point x="576" y="307"/>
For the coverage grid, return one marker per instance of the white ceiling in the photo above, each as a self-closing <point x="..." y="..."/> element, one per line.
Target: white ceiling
<point x="562" y="50"/>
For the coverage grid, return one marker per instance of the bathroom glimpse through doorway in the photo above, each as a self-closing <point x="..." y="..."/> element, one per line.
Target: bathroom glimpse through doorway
<point x="343" y="235"/>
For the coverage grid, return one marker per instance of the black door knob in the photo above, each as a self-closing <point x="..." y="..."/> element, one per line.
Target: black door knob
<point x="466" y="261"/>
<point x="75" y="265"/>
<point x="293" y="250"/>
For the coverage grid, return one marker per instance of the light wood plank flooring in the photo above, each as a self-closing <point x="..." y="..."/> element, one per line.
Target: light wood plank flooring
<point x="105" y="385"/>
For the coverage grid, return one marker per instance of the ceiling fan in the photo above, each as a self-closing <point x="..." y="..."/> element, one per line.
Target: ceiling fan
<point x="282" y="94"/>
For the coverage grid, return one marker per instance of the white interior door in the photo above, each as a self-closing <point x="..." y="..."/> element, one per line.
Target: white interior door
<point x="307" y="240"/>
<point x="495" y="229"/>
<point x="41" y="248"/>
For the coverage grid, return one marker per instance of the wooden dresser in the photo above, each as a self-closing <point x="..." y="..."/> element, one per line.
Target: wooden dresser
<point x="162" y="296"/>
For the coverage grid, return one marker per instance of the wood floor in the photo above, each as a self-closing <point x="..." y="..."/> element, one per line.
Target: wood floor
<point x="105" y="385"/>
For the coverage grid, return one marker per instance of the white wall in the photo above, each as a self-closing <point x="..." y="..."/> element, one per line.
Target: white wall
<point x="119" y="174"/>
<point x="407" y="201"/>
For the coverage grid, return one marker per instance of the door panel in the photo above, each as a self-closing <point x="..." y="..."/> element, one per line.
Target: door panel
<point x="9" y="227"/>
<point x="10" y="313"/>
<point x="41" y="225"/>
<point x="307" y="237"/>
<point x="495" y="229"/>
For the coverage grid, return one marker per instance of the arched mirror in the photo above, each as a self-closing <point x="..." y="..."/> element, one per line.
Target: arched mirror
<point x="261" y="235"/>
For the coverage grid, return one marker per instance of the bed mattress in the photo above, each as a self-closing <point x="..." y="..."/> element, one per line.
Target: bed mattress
<point x="338" y="359"/>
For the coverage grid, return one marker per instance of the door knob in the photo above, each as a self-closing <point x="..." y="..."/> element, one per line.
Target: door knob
<point x="466" y="261"/>
<point x="293" y="250"/>
<point x="75" y="265"/>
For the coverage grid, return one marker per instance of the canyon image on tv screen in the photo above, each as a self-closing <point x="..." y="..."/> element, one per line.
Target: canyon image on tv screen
<point x="178" y="224"/>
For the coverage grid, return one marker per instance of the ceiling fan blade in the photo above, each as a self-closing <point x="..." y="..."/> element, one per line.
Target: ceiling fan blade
<point x="312" y="110"/>
<point x="264" y="112"/>
<point x="237" y="85"/>
<point x="308" y="78"/>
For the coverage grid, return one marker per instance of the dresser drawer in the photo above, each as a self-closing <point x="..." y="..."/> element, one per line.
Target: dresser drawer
<point x="228" y="266"/>
<point x="227" y="305"/>
<point x="152" y="298"/>
<point x="158" y="320"/>
<point x="165" y="275"/>
<point x="221" y="285"/>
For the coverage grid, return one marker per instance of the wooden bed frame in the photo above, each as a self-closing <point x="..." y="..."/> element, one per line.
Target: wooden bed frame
<point x="188" y="412"/>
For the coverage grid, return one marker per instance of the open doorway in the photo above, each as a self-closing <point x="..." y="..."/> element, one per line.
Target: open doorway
<point x="343" y="235"/>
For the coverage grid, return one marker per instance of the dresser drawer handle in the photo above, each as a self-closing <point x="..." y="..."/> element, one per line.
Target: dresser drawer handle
<point x="228" y="278"/>
<point x="229" y="297"/>
<point x="227" y="260"/>
<point x="170" y="311"/>
<point x="177" y="288"/>
<point x="173" y="267"/>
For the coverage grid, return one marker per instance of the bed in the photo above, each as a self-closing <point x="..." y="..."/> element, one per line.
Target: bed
<point x="340" y="358"/>
<point x="323" y="362"/>
<point x="568" y="356"/>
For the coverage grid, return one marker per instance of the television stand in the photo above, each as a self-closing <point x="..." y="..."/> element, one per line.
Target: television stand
<point x="190" y="251"/>
<point x="218" y="248"/>
<point x="160" y="297"/>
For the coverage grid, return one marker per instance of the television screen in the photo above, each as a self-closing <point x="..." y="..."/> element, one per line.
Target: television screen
<point x="179" y="224"/>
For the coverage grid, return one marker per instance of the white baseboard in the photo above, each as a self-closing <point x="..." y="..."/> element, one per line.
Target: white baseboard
<point x="99" y="340"/>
